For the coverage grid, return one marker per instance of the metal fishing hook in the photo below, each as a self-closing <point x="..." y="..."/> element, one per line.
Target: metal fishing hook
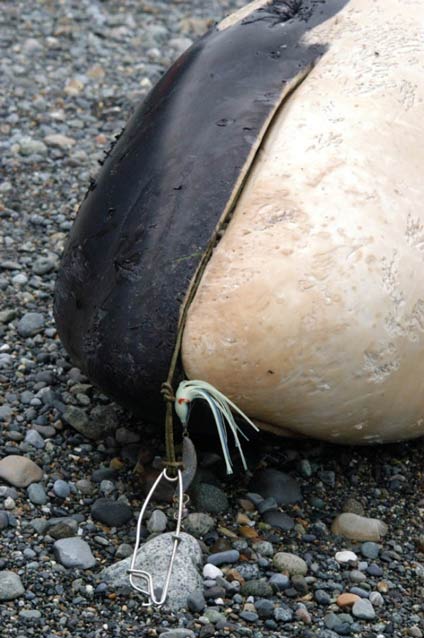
<point x="148" y="589"/>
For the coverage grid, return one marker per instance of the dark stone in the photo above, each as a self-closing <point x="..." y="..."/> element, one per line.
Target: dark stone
<point x="209" y="498"/>
<point x="273" y="483"/>
<point x="279" y="520"/>
<point x="112" y="513"/>
<point x="264" y="608"/>
<point x="221" y="558"/>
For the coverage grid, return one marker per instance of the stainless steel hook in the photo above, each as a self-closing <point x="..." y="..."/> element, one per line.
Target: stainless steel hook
<point x="148" y="589"/>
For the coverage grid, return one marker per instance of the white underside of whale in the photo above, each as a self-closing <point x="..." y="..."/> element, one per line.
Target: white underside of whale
<point x="310" y="314"/>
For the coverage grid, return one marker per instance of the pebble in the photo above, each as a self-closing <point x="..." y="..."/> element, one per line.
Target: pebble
<point x="37" y="494"/>
<point x="10" y="586"/>
<point x="346" y="556"/>
<point x="271" y="483"/>
<point x="264" y="548"/>
<point x="196" y="602"/>
<point x="370" y="549"/>
<point x="181" y="632"/>
<point x="283" y="614"/>
<point x="157" y="522"/>
<point x="347" y="600"/>
<point x="19" y="470"/>
<point x="74" y="552"/>
<point x="61" y="488"/>
<point x="256" y="587"/>
<point x="359" y="528"/>
<point x="30" y="324"/>
<point x="221" y="558"/>
<point x="322" y="597"/>
<point x="210" y="498"/>
<point x="211" y="571"/>
<point x="363" y="609"/>
<point x="290" y="564"/>
<point x="60" y="141"/>
<point x="279" y="520"/>
<point x="279" y="582"/>
<point x="264" y="607"/>
<point x="112" y="513"/>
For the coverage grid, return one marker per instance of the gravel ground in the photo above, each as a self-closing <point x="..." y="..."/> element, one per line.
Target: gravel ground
<point x="71" y="73"/>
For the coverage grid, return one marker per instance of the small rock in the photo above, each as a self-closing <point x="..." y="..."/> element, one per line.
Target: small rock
<point x="64" y="529"/>
<point x="346" y="556"/>
<point x="370" y="550"/>
<point x="29" y="146"/>
<point x="10" y="586"/>
<point x="179" y="632"/>
<point x="210" y="498"/>
<point x="354" y="507"/>
<point x="322" y="597"/>
<point x="157" y="522"/>
<point x="283" y="614"/>
<point x="60" y="141"/>
<point x="112" y="513"/>
<point x="347" y="600"/>
<point x="198" y="524"/>
<point x="273" y="483"/>
<point x="376" y="599"/>
<point x="279" y="582"/>
<point x="35" y="439"/>
<point x="30" y="324"/>
<point x="290" y="564"/>
<point x="279" y="520"/>
<point x="211" y="572"/>
<point x="153" y="557"/>
<point x="196" y="602"/>
<point x="264" y="608"/>
<point x="363" y="609"/>
<point x="264" y="548"/>
<point x="221" y="558"/>
<point x="61" y="488"/>
<point x="359" y="528"/>
<point x="37" y="494"/>
<point x="74" y="552"/>
<point x="4" y="520"/>
<point x="19" y="470"/>
<point x="256" y="587"/>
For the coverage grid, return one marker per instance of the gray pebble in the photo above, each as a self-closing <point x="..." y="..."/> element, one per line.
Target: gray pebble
<point x="363" y="609"/>
<point x="10" y="585"/>
<point x="157" y="522"/>
<point x="35" y="439"/>
<point x="61" y="488"/>
<point x="30" y="324"/>
<point x="74" y="552"/>
<point x="196" y="602"/>
<point x="283" y="614"/>
<point x="370" y="549"/>
<point x="221" y="558"/>
<point x="198" y="524"/>
<point x="37" y="494"/>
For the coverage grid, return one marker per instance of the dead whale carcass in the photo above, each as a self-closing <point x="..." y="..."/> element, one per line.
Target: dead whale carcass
<point x="299" y="126"/>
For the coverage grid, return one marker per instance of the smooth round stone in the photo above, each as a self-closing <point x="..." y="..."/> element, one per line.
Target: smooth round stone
<point x="267" y="504"/>
<point x="370" y="549"/>
<point x="347" y="600"/>
<point x="29" y="615"/>
<point x="278" y="520"/>
<point x="157" y="522"/>
<point x="196" y="602"/>
<point x="322" y="597"/>
<point x="221" y="558"/>
<point x="107" y="487"/>
<point x="210" y="498"/>
<point x="279" y="582"/>
<point x="346" y="556"/>
<point x="357" y="576"/>
<point x="19" y="470"/>
<point x="290" y="564"/>
<point x="179" y="632"/>
<point x="30" y="324"/>
<point x="112" y="513"/>
<point x="249" y="616"/>
<point x="37" y="494"/>
<point x="278" y="485"/>
<point x="63" y="529"/>
<point x="363" y="609"/>
<point x="211" y="571"/>
<point x="359" y="528"/>
<point x="374" y="570"/>
<point x="264" y="608"/>
<point x="10" y="585"/>
<point x="198" y="524"/>
<point x="61" y="488"/>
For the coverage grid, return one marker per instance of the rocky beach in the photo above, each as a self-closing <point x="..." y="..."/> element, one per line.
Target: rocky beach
<point x="314" y="541"/>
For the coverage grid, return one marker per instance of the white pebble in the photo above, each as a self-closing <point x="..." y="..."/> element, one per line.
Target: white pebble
<point x="211" y="571"/>
<point x="9" y="503"/>
<point x="346" y="556"/>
